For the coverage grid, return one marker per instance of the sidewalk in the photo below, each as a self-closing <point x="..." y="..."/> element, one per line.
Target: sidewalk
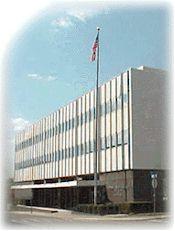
<point x="137" y="217"/>
<point x="52" y="212"/>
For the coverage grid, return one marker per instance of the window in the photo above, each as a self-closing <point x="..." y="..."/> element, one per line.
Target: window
<point x="92" y="145"/>
<point x="66" y="126"/>
<point x="87" y="147"/>
<point x="81" y="119"/>
<point x="113" y="107"/>
<point x="77" y="120"/>
<point x="125" y="136"/>
<point x="90" y="115"/>
<point x="66" y="153"/>
<point x="47" y="158"/>
<point x="114" y="140"/>
<point x="119" y="138"/>
<point x="78" y="150"/>
<point x="103" y="143"/>
<point x="69" y="152"/>
<point x="56" y="130"/>
<point x="73" y="121"/>
<point x="73" y="150"/>
<point x="56" y="156"/>
<point x="125" y="98"/>
<point x="102" y="109"/>
<point x="94" y="109"/>
<point x="106" y="107"/>
<point x="59" y="128"/>
<point x="69" y="124"/>
<point x="63" y="127"/>
<point x="82" y="149"/>
<point x="119" y="102"/>
<point x="59" y="155"/>
<point x="86" y="116"/>
<point x="63" y="154"/>
<point x="41" y="160"/>
<point x="46" y="134"/>
<point x="53" y="156"/>
<point x="108" y="142"/>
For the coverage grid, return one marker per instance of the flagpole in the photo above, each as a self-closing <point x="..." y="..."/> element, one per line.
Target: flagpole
<point x="96" y="127"/>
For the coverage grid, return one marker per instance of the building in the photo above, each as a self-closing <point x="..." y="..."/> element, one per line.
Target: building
<point x="55" y="156"/>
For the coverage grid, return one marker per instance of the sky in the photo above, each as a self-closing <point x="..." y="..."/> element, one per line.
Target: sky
<point x="47" y="63"/>
<point x="49" y="60"/>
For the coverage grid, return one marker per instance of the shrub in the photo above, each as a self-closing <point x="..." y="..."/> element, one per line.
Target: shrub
<point x="124" y="208"/>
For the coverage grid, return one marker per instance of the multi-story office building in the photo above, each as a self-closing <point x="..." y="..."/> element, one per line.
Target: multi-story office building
<point x="55" y="155"/>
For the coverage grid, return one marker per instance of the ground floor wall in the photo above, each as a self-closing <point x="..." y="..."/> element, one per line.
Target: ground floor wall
<point x="119" y="186"/>
<point x="136" y="186"/>
<point x="143" y="188"/>
<point x="130" y="186"/>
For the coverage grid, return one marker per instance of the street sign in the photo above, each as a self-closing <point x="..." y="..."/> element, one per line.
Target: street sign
<point x="153" y="175"/>
<point x="154" y="183"/>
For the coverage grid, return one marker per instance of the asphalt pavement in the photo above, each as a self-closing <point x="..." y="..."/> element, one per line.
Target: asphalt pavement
<point x="68" y="220"/>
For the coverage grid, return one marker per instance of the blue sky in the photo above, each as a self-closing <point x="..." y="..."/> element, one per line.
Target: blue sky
<point x="49" y="61"/>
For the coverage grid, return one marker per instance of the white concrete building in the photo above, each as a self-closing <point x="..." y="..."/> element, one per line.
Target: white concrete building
<point x="132" y="133"/>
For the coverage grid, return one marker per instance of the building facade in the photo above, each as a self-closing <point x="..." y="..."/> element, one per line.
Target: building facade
<point x="56" y="154"/>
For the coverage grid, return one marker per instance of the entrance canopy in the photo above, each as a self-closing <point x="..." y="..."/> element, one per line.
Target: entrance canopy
<point x="74" y="183"/>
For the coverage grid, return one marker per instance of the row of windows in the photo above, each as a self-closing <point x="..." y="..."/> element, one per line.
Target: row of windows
<point x="70" y="124"/>
<point x="88" y="147"/>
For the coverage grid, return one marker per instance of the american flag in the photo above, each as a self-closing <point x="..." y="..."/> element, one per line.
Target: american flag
<point x="94" y="49"/>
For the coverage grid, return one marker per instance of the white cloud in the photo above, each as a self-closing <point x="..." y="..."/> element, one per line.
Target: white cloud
<point x="63" y="22"/>
<point x="19" y="124"/>
<point x="80" y="15"/>
<point x="84" y="14"/>
<point x="35" y="77"/>
<point x="48" y="78"/>
<point x="81" y="12"/>
<point x="51" y="78"/>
